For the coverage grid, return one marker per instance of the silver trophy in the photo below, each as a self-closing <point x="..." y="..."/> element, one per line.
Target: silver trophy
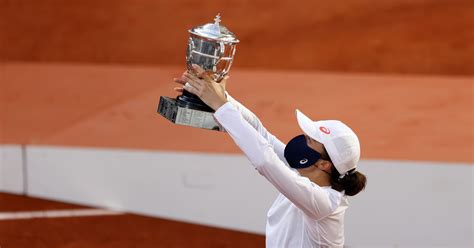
<point x="211" y="46"/>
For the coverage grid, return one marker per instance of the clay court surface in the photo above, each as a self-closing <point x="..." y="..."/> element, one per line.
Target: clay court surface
<point x="122" y="230"/>
<point x="114" y="106"/>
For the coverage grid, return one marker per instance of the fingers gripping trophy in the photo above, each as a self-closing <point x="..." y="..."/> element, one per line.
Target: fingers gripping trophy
<point x="212" y="47"/>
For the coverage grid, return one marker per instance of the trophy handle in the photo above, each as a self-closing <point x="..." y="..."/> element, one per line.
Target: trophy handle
<point x="230" y="59"/>
<point x="191" y="48"/>
<point x="221" y="55"/>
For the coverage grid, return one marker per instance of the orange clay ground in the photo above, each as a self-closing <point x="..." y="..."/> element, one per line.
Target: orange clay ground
<point x="396" y="117"/>
<point x="127" y="230"/>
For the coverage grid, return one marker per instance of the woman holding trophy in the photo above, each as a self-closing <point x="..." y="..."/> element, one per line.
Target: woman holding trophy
<point x="314" y="172"/>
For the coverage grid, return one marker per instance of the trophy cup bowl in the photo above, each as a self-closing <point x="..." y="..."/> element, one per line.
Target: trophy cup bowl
<point x="212" y="47"/>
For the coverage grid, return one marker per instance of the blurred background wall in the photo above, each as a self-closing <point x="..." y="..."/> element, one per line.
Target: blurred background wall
<point x="396" y="36"/>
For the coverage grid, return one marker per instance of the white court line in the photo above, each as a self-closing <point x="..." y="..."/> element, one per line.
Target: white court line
<point x="57" y="214"/>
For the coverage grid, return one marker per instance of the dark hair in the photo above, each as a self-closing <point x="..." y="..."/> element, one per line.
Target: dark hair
<point x="352" y="183"/>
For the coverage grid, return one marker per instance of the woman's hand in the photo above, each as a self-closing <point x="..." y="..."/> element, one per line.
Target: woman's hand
<point x="201" y="84"/>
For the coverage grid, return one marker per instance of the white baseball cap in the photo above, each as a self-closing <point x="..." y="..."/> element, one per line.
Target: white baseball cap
<point x="341" y="143"/>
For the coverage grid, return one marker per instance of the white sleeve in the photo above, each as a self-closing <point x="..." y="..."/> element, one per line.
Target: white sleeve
<point x="307" y="196"/>
<point x="254" y="121"/>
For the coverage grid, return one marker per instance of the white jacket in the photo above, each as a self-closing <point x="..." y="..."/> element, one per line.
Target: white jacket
<point x="304" y="214"/>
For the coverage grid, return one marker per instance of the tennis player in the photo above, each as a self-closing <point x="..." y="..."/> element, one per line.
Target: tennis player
<point x="314" y="172"/>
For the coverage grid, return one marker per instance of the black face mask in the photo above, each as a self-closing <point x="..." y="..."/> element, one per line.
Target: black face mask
<point x="299" y="155"/>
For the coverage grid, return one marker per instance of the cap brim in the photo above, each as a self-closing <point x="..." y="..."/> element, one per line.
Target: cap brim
<point x="307" y="125"/>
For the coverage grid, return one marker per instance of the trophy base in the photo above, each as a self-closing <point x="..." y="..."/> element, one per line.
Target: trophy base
<point x="170" y="109"/>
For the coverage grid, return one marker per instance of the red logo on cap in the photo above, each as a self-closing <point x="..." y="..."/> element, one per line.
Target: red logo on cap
<point x="324" y="130"/>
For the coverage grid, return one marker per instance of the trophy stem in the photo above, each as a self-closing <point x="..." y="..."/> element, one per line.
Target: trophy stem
<point x="191" y="101"/>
